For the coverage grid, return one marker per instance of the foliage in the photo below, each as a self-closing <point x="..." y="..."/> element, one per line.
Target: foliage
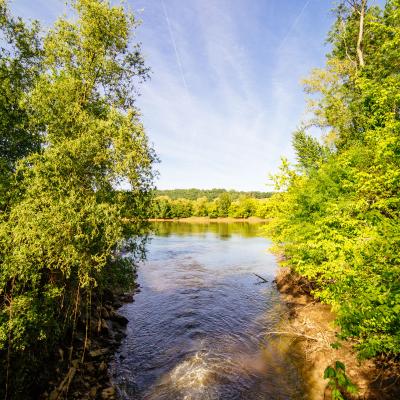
<point x="338" y="381"/>
<point x="336" y="216"/>
<point x="66" y="220"/>
<point x="20" y="63"/>
<point x="223" y="206"/>
<point x="209" y="194"/>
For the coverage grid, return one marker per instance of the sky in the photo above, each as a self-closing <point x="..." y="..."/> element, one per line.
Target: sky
<point x="225" y="92"/>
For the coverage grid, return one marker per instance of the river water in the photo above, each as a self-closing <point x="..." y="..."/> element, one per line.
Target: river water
<point x="198" y="327"/>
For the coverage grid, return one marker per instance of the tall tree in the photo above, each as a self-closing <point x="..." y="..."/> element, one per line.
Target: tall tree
<point x="338" y="225"/>
<point x="63" y="234"/>
<point x="20" y="64"/>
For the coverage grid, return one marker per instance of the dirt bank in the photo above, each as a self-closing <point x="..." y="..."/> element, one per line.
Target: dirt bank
<point x="311" y="324"/>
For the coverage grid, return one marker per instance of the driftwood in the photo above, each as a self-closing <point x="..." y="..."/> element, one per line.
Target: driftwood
<point x="263" y="279"/>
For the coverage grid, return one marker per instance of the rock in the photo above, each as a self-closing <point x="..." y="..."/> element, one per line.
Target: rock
<point x="94" y="325"/>
<point x="105" y="328"/>
<point x="118" y="318"/>
<point x="102" y="366"/>
<point x="108" y="295"/>
<point x="93" y="392"/>
<point x="108" y="393"/>
<point x="117" y="304"/>
<point x="127" y="298"/>
<point x="104" y="313"/>
<point x="99" y="352"/>
<point x="90" y="368"/>
<point x="119" y="335"/>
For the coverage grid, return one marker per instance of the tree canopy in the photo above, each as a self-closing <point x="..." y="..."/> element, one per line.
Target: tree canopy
<point x="336" y="218"/>
<point x="70" y="137"/>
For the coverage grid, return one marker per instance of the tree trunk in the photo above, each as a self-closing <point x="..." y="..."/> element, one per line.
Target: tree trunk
<point x="360" y="53"/>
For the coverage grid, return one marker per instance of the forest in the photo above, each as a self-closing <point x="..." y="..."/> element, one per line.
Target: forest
<point x="210" y="194"/>
<point x="71" y="136"/>
<point x="220" y="203"/>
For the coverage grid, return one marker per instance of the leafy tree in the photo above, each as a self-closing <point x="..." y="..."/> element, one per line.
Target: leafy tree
<point x="20" y="64"/>
<point x="62" y="236"/>
<point x="309" y="152"/>
<point x="200" y="207"/>
<point x="337" y="224"/>
<point x="243" y="208"/>
<point x="338" y="381"/>
<point x="223" y="203"/>
<point x="210" y="194"/>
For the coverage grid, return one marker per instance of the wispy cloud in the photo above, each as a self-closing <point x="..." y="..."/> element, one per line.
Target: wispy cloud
<point x="178" y="59"/>
<point x="232" y="119"/>
<point x="225" y="96"/>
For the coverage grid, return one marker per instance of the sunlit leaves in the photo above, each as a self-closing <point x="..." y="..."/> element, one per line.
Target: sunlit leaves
<point x="337" y="221"/>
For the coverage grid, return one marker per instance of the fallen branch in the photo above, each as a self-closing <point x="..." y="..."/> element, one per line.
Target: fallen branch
<point x="263" y="279"/>
<point x="292" y="334"/>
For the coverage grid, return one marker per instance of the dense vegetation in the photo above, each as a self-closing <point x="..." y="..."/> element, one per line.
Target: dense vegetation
<point x="225" y="205"/>
<point x="209" y="194"/>
<point x="69" y="137"/>
<point x="336" y="218"/>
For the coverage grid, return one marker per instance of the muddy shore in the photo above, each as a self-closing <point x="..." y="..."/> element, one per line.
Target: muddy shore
<point x="311" y="325"/>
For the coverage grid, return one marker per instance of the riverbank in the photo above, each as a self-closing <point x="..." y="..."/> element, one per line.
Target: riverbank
<point x="311" y="324"/>
<point x="207" y="220"/>
<point x="85" y="375"/>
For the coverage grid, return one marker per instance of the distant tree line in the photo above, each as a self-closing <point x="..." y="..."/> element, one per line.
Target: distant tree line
<point x="242" y="206"/>
<point x="210" y="194"/>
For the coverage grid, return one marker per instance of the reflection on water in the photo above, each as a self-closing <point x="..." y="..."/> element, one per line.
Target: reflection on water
<point x="221" y="229"/>
<point x="197" y="328"/>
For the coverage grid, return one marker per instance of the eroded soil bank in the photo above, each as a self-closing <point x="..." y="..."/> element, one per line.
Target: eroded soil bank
<point x="310" y="324"/>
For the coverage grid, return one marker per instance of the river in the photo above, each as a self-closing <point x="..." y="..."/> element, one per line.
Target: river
<point x="198" y="327"/>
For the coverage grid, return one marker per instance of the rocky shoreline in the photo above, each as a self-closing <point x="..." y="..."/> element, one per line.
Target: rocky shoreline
<point x="86" y="375"/>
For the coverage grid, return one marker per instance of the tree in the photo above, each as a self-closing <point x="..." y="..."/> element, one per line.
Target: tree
<point x="337" y="224"/>
<point x="62" y="237"/>
<point x="308" y="150"/>
<point x="20" y="64"/>
<point x="223" y="203"/>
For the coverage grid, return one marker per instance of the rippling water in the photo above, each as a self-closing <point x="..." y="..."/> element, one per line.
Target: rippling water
<point x="197" y="328"/>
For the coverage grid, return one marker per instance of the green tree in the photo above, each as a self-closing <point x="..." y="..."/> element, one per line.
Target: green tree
<point x="62" y="236"/>
<point x="223" y="203"/>
<point x="338" y="224"/>
<point x="308" y="150"/>
<point x="20" y="64"/>
<point x="200" y="207"/>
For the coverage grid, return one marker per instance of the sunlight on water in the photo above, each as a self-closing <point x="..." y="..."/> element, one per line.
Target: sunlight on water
<point x="197" y="328"/>
<point x="192" y="376"/>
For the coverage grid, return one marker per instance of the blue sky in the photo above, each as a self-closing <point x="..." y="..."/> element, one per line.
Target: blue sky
<point x="225" y="94"/>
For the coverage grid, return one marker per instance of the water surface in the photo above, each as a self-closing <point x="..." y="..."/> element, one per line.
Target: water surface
<point x="197" y="328"/>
